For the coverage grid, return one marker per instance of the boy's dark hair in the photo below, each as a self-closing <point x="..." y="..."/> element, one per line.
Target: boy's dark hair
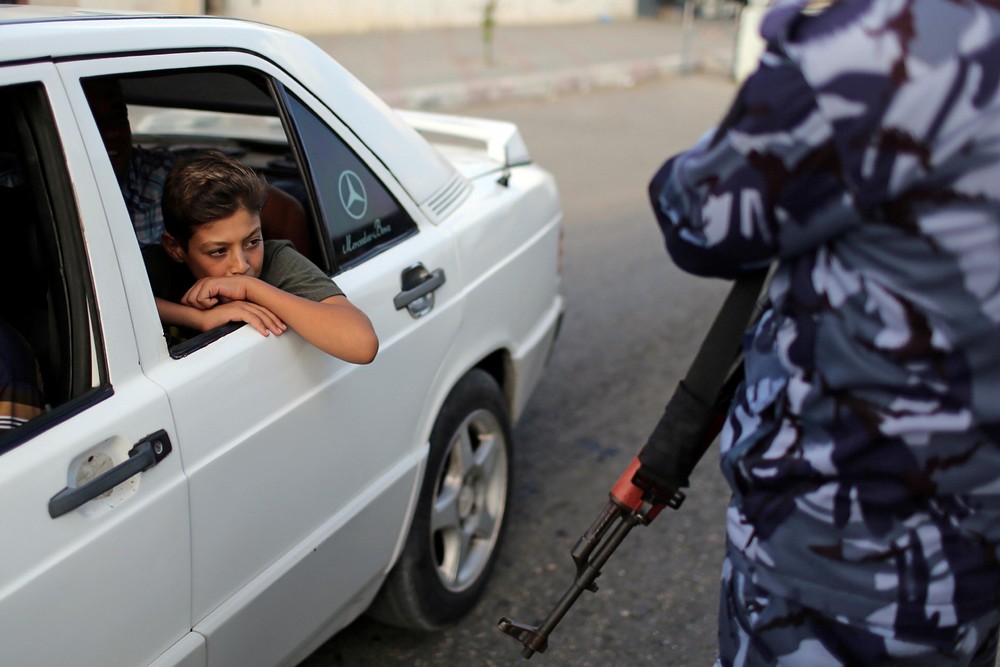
<point x="206" y="188"/>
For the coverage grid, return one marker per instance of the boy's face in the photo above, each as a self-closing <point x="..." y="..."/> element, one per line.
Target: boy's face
<point x="231" y="246"/>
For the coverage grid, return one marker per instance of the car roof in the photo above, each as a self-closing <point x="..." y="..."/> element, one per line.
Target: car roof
<point x="30" y="33"/>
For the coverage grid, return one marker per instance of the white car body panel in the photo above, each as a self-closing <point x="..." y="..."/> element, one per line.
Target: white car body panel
<point x="188" y="652"/>
<point x="320" y="583"/>
<point x="492" y="225"/>
<point x="113" y="551"/>
<point x="293" y="478"/>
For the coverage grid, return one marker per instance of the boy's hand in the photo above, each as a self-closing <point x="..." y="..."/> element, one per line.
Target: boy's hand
<point x="209" y="292"/>
<point x="225" y="299"/>
<point x="259" y="317"/>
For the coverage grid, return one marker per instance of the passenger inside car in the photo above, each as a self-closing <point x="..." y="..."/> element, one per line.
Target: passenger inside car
<point x="36" y="351"/>
<point x="214" y="267"/>
<point x="142" y="172"/>
<point x="21" y="395"/>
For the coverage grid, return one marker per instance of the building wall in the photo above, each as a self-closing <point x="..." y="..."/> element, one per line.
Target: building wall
<point x="159" y="6"/>
<point x="313" y="16"/>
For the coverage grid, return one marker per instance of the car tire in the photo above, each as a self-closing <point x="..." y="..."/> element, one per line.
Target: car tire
<point x="460" y="517"/>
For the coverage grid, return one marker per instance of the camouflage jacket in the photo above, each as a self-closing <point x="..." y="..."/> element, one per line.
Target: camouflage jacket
<point x="863" y="449"/>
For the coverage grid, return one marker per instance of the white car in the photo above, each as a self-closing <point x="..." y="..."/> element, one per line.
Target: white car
<point x="236" y="499"/>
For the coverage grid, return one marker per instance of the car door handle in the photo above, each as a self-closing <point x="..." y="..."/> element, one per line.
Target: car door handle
<point x="419" y="285"/>
<point x="144" y="455"/>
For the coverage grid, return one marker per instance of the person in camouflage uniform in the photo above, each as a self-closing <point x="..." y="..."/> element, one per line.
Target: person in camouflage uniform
<point x="863" y="447"/>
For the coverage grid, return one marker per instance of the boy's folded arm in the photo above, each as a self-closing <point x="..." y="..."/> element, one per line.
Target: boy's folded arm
<point x="175" y="314"/>
<point x="257" y="316"/>
<point x="348" y="330"/>
<point x="334" y="325"/>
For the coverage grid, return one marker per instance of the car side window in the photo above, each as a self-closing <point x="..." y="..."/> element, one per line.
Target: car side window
<point x="360" y="215"/>
<point x="149" y="120"/>
<point x="152" y="120"/>
<point x="51" y="359"/>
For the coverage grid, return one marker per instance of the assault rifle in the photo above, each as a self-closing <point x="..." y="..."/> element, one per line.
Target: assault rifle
<point x="653" y="479"/>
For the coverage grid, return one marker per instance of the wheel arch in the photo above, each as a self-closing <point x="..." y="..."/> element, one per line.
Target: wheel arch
<point x="499" y="364"/>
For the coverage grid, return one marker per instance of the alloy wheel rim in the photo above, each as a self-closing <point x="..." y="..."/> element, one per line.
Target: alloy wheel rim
<point x="469" y="501"/>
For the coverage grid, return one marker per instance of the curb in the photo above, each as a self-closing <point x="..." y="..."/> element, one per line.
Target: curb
<point x="543" y="85"/>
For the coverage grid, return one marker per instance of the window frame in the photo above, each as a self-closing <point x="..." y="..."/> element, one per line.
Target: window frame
<point x="336" y="264"/>
<point x="50" y="188"/>
<point x="256" y="78"/>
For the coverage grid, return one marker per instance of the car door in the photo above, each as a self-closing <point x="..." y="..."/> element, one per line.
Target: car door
<point x="302" y="468"/>
<point x="96" y="563"/>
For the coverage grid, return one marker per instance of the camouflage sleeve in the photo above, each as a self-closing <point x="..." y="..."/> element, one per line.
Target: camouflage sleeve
<point x="742" y="197"/>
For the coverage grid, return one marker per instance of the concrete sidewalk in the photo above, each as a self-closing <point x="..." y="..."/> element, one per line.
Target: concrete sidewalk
<point x="452" y="67"/>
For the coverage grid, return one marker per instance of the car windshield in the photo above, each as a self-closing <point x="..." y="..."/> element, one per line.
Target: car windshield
<point x="191" y="123"/>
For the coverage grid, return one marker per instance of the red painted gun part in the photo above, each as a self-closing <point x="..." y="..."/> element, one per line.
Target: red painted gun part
<point x="627" y="494"/>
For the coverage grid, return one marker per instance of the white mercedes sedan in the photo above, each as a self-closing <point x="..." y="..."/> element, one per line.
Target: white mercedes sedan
<point x="228" y="498"/>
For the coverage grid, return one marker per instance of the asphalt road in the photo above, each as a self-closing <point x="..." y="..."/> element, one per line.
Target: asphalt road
<point x="633" y="323"/>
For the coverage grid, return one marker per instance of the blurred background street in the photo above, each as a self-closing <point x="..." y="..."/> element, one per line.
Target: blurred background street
<point x="452" y="67"/>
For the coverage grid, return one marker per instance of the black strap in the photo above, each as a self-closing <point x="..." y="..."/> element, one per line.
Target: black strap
<point x="720" y="348"/>
<point x="686" y="428"/>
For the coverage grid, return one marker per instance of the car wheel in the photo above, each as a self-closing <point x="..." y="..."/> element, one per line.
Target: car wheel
<point x="459" y="521"/>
